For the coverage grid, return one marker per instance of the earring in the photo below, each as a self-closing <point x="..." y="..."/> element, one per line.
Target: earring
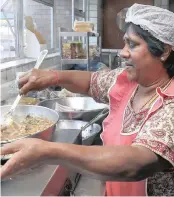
<point x="162" y="59"/>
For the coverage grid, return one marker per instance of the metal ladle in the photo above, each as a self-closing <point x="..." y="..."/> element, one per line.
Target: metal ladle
<point x="102" y="114"/>
<point x="8" y="116"/>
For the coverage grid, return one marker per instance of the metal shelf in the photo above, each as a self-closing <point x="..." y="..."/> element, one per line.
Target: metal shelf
<point x="80" y="34"/>
<point x="74" y="61"/>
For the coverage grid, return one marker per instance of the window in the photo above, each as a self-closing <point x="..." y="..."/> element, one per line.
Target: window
<point x="8" y="29"/>
<point x="42" y="16"/>
<point x="13" y="31"/>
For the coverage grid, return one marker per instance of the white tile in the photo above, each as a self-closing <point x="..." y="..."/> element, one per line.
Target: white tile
<point x="3" y="76"/>
<point x="19" y="69"/>
<point x="25" y="68"/>
<point x="10" y="74"/>
<point x="165" y="2"/>
<point x="94" y="2"/>
<point x="158" y="3"/>
<point x="165" y="7"/>
<point x="93" y="7"/>
<point x="92" y="14"/>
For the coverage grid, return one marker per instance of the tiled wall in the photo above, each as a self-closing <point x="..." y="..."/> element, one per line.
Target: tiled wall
<point x="171" y="3"/>
<point x="8" y="75"/>
<point x="64" y="14"/>
<point x="162" y="3"/>
<point x="95" y="17"/>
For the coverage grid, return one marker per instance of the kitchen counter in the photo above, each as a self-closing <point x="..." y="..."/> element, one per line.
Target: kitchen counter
<point x="43" y="180"/>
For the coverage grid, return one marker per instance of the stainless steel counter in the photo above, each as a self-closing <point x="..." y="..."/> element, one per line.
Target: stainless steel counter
<point x="44" y="180"/>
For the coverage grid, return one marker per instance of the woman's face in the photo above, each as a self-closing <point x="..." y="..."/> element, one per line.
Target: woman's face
<point x="141" y="65"/>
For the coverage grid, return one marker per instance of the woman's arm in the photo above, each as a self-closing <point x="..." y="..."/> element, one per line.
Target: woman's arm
<point x="95" y="84"/>
<point x="116" y="163"/>
<point x="119" y="163"/>
<point x="75" y="81"/>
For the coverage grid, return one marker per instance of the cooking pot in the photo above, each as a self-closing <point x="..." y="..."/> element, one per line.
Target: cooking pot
<point x="88" y="135"/>
<point x="22" y="111"/>
<point x="82" y="108"/>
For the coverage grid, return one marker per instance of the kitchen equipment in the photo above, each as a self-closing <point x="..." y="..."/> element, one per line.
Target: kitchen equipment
<point x="9" y="114"/>
<point x="73" y="50"/>
<point x="52" y="94"/>
<point x="85" y="107"/>
<point x="36" y="111"/>
<point x="102" y="114"/>
<point x="88" y="134"/>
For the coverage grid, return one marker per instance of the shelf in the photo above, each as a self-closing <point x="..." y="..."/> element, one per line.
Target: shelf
<point x="74" y="61"/>
<point x="82" y="34"/>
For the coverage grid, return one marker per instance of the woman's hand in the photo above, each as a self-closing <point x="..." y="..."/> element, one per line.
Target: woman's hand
<point x="26" y="153"/>
<point x="37" y="80"/>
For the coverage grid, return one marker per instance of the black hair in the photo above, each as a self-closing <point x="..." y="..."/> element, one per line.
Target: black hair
<point x="155" y="46"/>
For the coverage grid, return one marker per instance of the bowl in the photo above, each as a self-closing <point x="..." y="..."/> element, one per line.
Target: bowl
<point x="83" y="108"/>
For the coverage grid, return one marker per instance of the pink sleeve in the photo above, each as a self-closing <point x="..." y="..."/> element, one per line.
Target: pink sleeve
<point x="157" y="133"/>
<point x="101" y="82"/>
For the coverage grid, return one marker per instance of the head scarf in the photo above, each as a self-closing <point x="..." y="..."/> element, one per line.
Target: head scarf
<point x="157" y="21"/>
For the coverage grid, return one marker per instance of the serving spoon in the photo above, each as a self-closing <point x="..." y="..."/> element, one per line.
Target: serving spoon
<point x="8" y="116"/>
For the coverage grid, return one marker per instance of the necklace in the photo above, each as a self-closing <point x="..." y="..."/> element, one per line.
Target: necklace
<point x="153" y="98"/>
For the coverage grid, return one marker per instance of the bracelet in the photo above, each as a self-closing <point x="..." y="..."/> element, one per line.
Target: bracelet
<point x="56" y="77"/>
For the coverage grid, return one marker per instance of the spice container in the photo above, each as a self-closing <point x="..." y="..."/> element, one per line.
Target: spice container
<point x="77" y="51"/>
<point x="66" y="51"/>
<point x="73" y="50"/>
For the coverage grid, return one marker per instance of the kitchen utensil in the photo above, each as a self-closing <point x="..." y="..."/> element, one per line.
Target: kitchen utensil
<point x="84" y="108"/>
<point x="102" y="114"/>
<point x="36" y="111"/>
<point x="9" y="118"/>
<point x="87" y="134"/>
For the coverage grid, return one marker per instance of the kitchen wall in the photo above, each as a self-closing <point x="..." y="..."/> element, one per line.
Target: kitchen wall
<point x="64" y="15"/>
<point x="8" y="73"/>
<point x="41" y="15"/>
<point x="63" y="19"/>
<point x="162" y="3"/>
<point x="171" y="5"/>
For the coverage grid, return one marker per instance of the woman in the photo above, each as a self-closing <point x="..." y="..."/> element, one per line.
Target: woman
<point x="138" y="153"/>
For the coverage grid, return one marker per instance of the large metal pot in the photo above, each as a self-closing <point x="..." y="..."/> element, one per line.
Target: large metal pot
<point x="88" y="134"/>
<point x="85" y="107"/>
<point x="23" y="110"/>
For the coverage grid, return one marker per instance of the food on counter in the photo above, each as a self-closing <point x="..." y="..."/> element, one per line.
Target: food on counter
<point x="77" y="51"/>
<point x="83" y="26"/>
<point x="66" y="49"/>
<point x="65" y="93"/>
<point x="73" y="50"/>
<point x="28" y="101"/>
<point x="28" y="126"/>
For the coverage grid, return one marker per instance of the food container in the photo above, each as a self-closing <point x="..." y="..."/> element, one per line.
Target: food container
<point x="83" y="26"/>
<point x="22" y="111"/>
<point x="88" y="135"/>
<point x="73" y="50"/>
<point x="82" y="108"/>
<point x="29" y="101"/>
